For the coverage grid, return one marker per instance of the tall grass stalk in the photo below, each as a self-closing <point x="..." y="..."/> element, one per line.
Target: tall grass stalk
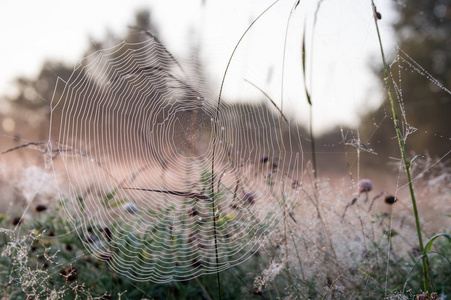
<point x="402" y="148"/>
<point x="282" y="146"/>
<point x="215" y="130"/>
<point x="309" y="100"/>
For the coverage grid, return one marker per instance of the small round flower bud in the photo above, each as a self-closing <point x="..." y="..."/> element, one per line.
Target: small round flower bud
<point x="390" y="200"/>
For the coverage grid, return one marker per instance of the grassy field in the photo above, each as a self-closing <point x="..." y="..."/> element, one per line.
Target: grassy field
<point x="187" y="198"/>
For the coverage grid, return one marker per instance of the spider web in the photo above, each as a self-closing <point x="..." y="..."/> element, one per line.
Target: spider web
<point x="136" y="140"/>
<point x="143" y="143"/>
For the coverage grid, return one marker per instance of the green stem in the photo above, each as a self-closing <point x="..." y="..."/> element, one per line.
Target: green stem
<point x="312" y="143"/>
<point x="215" y="130"/>
<point x="218" y="279"/>
<point x="403" y="153"/>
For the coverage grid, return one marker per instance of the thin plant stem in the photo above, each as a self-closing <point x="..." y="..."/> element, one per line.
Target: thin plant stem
<point x="388" y="251"/>
<point x="282" y="146"/>
<point x="215" y="129"/>
<point x="309" y="100"/>
<point x="297" y="253"/>
<point x="312" y="144"/>
<point x="402" y="149"/>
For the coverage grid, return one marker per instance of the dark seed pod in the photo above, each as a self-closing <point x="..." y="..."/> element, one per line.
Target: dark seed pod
<point x="378" y="15"/>
<point x="264" y="160"/>
<point x="40" y="208"/>
<point x="257" y="292"/>
<point x="234" y="206"/>
<point x="390" y="200"/>
<point x="329" y="282"/>
<point x="69" y="274"/>
<point x="108" y="234"/>
<point x="422" y="296"/>
<point x="249" y="198"/>
<point x="106" y="296"/>
<point x="17" y="221"/>
<point x="91" y="239"/>
<point x="193" y="212"/>
<point x="105" y="256"/>
<point x="195" y="263"/>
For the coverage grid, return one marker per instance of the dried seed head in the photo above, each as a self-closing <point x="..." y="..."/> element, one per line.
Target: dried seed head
<point x="193" y="212"/>
<point x="390" y="200"/>
<point x="69" y="274"/>
<point x="422" y="296"/>
<point x="106" y="296"/>
<point x="40" y="208"/>
<point x="107" y="233"/>
<point x="196" y="263"/>
<point x="365" y="186"/>
<point x="91" y="239"/>
<point x="16" y="221"/>
<point x="234" y="206"/>
<point x="249" y="198"/>
<point x="192" y="237"/>
<point x="105" y="256"/>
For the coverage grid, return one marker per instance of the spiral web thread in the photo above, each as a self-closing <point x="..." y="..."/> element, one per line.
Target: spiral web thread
<point x="137" y="140"/>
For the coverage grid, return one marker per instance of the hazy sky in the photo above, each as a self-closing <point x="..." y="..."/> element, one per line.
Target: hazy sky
<point x="344" y="45"/>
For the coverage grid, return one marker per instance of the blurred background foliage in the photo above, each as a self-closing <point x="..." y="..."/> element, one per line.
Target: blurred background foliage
<point x="423" y="30"/>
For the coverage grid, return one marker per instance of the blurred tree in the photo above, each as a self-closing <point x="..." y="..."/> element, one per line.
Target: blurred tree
<point x="424" y="36"/>
<point x="150" y="67"/>
<point x="31" y="107"/>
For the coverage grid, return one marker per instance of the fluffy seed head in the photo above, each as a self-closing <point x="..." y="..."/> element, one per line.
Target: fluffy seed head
<point x="365" y="186"/>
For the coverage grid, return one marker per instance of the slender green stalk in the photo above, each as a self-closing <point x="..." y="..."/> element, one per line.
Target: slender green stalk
<point x="312" y="144"/>
<point x="402" y="149"/>
<point x="282" y="145"/>
<point x="309" y="100"/>
<point x="218" y="278"/>
<point x="215" y="129"/>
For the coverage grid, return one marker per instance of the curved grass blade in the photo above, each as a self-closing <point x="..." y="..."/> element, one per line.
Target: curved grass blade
<point x="416" y="263"/>
<point x="431" y="241"/>
<point x="269" y="98"/>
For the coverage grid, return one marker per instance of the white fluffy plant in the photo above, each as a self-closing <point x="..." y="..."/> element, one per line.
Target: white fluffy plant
<point x="25" y="275"/>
